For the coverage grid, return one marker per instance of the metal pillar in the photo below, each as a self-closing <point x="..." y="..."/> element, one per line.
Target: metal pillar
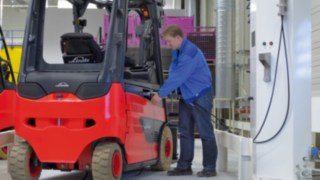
<point x="190" y="6"/>
<point x="225" y="51"/>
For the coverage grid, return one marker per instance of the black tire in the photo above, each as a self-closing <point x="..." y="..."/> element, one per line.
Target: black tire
<point x="107" y="162"/>
<point x="23" y="163"/>
<point x="166" y="150"/>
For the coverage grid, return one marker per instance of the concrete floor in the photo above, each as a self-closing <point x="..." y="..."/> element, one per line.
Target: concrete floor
<point x="137" y="175"/>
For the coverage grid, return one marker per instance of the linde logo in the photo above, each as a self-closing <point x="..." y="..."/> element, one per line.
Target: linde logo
<point x="62" y="85"/>
<point x="79" y="59"/>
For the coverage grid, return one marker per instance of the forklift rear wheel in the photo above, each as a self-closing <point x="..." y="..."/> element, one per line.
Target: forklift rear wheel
<point x="166" y="150"/>
<point x="23" y="163"/>
<point x="3" y="153"/>
<point x="107" y="162"/>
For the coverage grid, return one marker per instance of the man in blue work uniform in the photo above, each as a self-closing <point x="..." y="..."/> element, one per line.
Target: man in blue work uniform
<point x="190" y="74"/>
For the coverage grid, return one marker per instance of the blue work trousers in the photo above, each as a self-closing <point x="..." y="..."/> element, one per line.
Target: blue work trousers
<point x="198" y="112"/>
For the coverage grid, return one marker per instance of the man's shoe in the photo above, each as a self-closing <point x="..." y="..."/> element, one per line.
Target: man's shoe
<point x="207" y="173"/>
<point x="180" y="172"/>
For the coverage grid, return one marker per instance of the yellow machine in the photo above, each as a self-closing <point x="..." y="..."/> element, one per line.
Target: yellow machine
<point x="15" y="53"/>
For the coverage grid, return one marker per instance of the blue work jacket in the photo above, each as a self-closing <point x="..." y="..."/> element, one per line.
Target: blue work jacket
<point x="189" y="72"/>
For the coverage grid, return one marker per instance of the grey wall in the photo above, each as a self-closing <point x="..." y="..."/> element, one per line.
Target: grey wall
<point x="175" y="12"/>
<point x="14" y="18"/>
<point x="58" y="22"/>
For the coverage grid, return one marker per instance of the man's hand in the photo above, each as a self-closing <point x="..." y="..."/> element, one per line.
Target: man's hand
<point x="156" y="99"/>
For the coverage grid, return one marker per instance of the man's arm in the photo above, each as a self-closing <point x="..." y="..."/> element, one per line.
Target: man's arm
<point x="179" y="75"/>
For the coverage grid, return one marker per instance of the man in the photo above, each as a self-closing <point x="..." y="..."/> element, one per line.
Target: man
<point x="190" y="74"/>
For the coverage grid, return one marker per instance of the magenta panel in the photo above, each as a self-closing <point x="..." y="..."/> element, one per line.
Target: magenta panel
<point x="186" y="23"/>
<point x="203" y="37"/>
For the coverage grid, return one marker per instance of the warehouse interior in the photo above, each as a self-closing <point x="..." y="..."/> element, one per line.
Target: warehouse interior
<point x="263" y="57"/>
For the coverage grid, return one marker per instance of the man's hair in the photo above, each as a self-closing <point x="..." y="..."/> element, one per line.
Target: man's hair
<point x="173" y="31"/>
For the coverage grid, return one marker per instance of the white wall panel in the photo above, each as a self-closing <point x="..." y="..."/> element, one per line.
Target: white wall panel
<point x="315" y="65"/>
<point x="315" y="48"/>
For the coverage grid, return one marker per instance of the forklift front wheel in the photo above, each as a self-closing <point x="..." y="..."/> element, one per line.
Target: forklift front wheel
<point x="107" y="161"/>
<point x="165" y="150"/>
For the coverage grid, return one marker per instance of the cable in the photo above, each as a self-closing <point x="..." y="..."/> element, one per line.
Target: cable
<point x="176" y="96"/>
<point x="140" y="171"/>
<point x="288" y="100"/>
<point x="273" y="88"/>
<point x="194" y="104"/>
<point x="282" y="35"/>
<point x="85" y="175"/>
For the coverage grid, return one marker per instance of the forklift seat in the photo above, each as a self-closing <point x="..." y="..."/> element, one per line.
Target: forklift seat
<point x="80" y="48"/>
<point x="144" y="73"/>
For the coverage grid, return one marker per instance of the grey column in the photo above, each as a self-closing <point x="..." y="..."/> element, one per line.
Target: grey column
<point x="190" y="6"/>
<point x="224" y="52"/>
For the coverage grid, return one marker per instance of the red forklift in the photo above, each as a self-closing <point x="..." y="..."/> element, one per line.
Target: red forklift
<point x="7" y="97"/>
<point x="91" y="112"/>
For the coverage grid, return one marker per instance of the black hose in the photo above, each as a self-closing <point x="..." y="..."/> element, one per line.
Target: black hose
<point x="282" y="35"/>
